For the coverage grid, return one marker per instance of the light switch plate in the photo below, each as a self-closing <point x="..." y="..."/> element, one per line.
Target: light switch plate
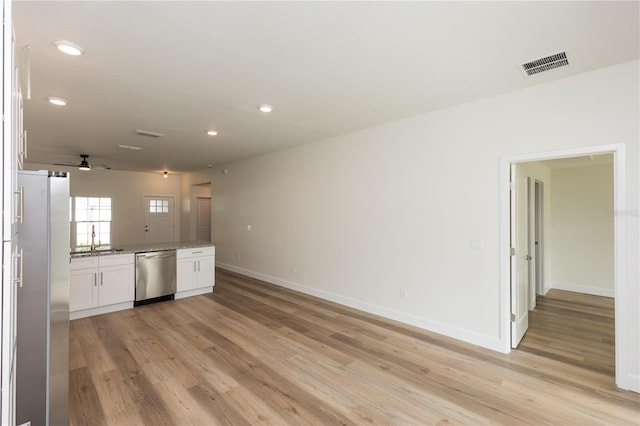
<point x="475" y="244"/>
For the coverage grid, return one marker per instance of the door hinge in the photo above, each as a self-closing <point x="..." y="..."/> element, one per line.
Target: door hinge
<point x="512" y="251"/>
<point x="513" y="317"/>
<point x="511" y="185"/>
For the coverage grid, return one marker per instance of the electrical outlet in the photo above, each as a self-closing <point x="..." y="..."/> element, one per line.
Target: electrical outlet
<point x="294" y="269"/>
<point x="404" y="293"/>
<point x="248" y="227"/>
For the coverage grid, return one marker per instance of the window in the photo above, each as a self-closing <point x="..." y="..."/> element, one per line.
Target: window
<point x="91" y="215"/>
<point x="158" y="206"/>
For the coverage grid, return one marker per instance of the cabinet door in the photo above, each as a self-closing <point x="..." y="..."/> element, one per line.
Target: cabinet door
<point x="116" y="284"/>
<point x="204" y="277"/>
<point x="12" y="142"/>
<point x="10" y="279"/>
<point x="185" y="274"/>
<point x="83" y="289"/>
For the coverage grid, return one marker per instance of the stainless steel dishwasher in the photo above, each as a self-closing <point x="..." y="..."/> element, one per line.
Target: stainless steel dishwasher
<point x="155" y="276"/>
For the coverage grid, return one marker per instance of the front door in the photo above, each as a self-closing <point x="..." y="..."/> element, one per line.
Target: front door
<point x="159" y="220"/>
<point x="519" y="255"/>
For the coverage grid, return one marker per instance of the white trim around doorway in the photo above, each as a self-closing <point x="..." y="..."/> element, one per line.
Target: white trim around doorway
<point x="624" y="379"/>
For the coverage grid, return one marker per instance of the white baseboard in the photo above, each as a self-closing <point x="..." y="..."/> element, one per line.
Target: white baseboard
<point x="595" y="291"/>
<point x="195" y="292"/>
<point x="630" y="382"/>
<point x="435" y="326"/>
<point x="100" y="310"/>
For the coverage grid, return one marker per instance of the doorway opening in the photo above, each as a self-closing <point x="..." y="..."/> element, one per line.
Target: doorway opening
<point x="570" y="318"/>
<point x="200" y="212"/>
<point x="203" y="219"/>
<point x="525" y="263"/>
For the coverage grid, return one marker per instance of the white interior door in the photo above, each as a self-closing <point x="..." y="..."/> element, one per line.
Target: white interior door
<point x="159" y="220"/>
<point x="519" y="255"/>
<point x="203" y="219"/>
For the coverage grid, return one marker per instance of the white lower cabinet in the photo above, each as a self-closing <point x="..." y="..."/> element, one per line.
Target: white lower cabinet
<point x="106" y="283"/>
<point x="100" y="284"/>
<point x="195" y="271"/>
<point x="83" y="293"/>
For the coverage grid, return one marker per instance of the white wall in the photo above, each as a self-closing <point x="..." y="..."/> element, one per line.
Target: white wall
<point x="126" y="190"/>
<point x="359" y="217"/>
<point x="582" y="229"/>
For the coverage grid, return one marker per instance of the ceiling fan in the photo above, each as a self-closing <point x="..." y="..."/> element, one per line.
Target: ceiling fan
<point x="84" y="164"/>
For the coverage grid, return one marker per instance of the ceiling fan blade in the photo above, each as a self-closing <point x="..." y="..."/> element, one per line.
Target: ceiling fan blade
<point x="100" y="166"/>
<point x="84" y="163"/>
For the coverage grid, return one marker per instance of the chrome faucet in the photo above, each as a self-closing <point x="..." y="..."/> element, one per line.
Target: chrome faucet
<point x="93" y="237"/>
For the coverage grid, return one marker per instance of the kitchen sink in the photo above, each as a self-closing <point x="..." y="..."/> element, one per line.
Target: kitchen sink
<point x="88" y="252"/>
<point x="113" y="250"/>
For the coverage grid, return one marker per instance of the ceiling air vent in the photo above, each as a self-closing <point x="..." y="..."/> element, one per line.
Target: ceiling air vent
<point x="546" y="63"/>
<point x="132" y="148"/>
<point x="147" y="133"/>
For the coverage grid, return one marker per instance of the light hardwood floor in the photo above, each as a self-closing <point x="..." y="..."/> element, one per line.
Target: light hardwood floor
<point x="574" y="328"/>
<point x="254" y="353"/>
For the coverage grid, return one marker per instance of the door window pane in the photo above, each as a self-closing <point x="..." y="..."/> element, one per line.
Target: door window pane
<point x="158" y="206"/>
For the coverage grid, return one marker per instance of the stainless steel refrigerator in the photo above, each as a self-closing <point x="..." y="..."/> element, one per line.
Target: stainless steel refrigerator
<point x="42" y="361"/>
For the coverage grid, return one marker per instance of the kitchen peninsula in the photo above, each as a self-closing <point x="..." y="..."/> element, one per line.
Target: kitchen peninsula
<point x="104" y="280"/>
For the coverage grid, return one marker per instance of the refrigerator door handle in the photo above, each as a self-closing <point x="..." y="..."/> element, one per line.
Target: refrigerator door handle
<point x="19" y="218"/>
<point x="19" y="259"/>
<point x="24" y="144"/>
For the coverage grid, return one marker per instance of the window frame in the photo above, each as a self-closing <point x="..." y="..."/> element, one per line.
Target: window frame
<point x="100" y="215"/>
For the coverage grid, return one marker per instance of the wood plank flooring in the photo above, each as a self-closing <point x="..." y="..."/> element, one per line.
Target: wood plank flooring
<point x="254" y="353"/>
<point x="574" y="328"/>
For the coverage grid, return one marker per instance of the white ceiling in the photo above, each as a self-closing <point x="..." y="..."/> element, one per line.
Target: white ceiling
<point x="181" y="68"/>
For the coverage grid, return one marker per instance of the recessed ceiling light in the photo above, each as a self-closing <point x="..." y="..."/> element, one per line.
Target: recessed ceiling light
<point x="69" y="48"/>
<point x="265" y="108"/>
<point x="212" y="132"/>
<point x="57" y="101"/>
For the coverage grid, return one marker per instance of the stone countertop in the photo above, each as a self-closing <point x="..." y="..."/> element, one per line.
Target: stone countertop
<point x="138" y="248"/>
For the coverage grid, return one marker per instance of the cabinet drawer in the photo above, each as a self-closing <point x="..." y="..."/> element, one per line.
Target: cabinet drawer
<point x="195" y="252"/>
<point x="84" y="262"/>
<point x="117" y="259"/>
